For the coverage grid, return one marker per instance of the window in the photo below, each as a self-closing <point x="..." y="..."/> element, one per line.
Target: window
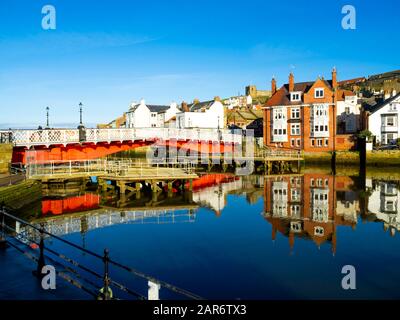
<point x="295" y="211"/>
<point x="326" y="142"/>
<point x="275" y="131"/>
<point x="295" y="113"/>
<point x="319" y="142"/>
<point x="292" y="142"/>
<point x="295" y="129"/>
<point x="295" y="226"/>
<point x="153" y="115"/>
<point x="295" y="96"/>
<point x="295" y="195"/>
<point x="313" y="142"/>
<point x="319" y="93"/>
<point x="390" y="121"/>
<point x="319" y="231"/>
<point x="298" y="142"/>
<point x="279" y="114"/>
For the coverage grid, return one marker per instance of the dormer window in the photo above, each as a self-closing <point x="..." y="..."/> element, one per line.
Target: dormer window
<point x="319" y="231"/>
<point x="319" y="93"/>
<point x="295" y="96"/>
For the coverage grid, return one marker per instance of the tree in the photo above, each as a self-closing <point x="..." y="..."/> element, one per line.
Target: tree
<point x="365" y="134"/>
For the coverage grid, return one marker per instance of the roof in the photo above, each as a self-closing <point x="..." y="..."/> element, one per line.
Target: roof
<point x="342" y="94"/>
<point x="200" y="105"/>
<point x="151" y="107"/>
<point x="379" y="105"/>
<point x="282" y="96"/>
<point x="157" y="108"/>
<point x="351" y="81"/>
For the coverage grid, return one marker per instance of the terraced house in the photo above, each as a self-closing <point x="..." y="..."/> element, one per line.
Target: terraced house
<point x="305" y="116"/>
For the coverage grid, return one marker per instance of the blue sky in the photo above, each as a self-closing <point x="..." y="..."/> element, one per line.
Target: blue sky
<point x="109" y="53"/>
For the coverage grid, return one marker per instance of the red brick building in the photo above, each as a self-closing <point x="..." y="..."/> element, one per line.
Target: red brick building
<point x="303" y="116"/>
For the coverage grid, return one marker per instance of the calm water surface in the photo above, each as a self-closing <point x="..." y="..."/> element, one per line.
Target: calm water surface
<point x="254" y="237"/>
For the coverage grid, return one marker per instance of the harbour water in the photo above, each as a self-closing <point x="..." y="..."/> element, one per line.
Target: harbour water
<point x="244" y="237"/>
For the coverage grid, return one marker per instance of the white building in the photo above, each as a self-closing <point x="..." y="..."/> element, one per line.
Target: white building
<point x="383" y="120"/>
<point x="348" y="112"/>
<point x="141" y="115"/>
<point x="208" y="114"/>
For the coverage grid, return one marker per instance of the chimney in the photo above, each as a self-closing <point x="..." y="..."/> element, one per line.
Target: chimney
<point x="217" y="98"/>
<point x="273" y="85"/>
<point x="195" y="100"/>
<point x="291" y="82"/>
<point x="184" y="106"/>
<point x="334" y="79"/>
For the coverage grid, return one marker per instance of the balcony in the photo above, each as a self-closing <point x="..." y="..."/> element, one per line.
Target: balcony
<point x="389" y="128"/>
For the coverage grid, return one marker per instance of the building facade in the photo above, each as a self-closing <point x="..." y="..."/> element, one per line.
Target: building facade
<point x="305" y="116"/>
<point x="383" y="120"/>
<point x="142" y="115"/>
<point x="208" y="114"/>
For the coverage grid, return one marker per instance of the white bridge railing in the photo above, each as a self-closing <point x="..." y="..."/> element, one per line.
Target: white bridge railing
<point x="48" y="137"/>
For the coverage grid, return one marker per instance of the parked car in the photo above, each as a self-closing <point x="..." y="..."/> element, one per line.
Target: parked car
<point x="389" y="147"/>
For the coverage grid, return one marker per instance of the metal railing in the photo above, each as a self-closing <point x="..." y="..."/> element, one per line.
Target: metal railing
<point x="47" y="137"/>
<point x="98" y="284"/>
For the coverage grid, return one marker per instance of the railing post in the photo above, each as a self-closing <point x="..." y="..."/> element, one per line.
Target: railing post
<point x="105" y="292"/>
<point x="41" y="262"/>
<point x="154" y="291"/>
<point x="3" y="241"/>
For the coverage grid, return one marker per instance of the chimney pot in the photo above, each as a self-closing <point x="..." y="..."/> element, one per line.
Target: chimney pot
<point x="273" y="86"/>
<point x="334" y="78"/>
<point x="291" y="82"/>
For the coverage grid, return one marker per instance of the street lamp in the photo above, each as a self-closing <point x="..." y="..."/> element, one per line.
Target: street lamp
<point x="47" y="117"/>
<point x="80" y="116"/>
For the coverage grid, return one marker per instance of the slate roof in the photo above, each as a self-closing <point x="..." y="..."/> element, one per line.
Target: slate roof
<point x="157" y="108"/>
<point x="152" y="108"/>
<point x="379" y="105"/>
<point x="200" y="105"/>
<point x="282" y="96"/>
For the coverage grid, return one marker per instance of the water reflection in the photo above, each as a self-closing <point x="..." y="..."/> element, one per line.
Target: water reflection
<point x="383" y="204"/>
<point x="308" y="206"/>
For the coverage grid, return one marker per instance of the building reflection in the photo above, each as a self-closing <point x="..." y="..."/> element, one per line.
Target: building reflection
<point x="211" y="190"/>
<point x="310" y="206"/>
<point x="383" y="204"/>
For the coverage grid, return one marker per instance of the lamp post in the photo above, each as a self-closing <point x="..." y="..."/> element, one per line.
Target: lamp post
<point x="80" y="115"/>
<point x="47" y="117"/>
<point x="81" y="127"/>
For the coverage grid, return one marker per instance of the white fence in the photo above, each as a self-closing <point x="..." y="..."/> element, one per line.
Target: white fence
<point x="48" y="137"/>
